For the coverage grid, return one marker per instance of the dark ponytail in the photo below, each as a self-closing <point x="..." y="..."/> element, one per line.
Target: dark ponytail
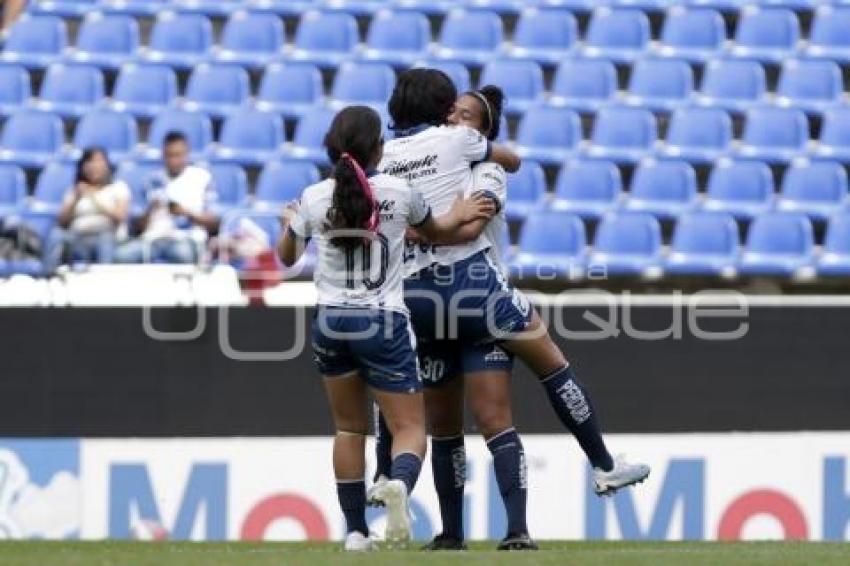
<point x="491" y="98"/>
<point x="353" y="142"/>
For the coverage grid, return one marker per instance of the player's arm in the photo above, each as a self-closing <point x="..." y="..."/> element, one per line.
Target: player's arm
<point x="476" y="148"/>
<point x="505" y="157"/>
<point x="291" y="244"/>
<point x="450" y="229"/>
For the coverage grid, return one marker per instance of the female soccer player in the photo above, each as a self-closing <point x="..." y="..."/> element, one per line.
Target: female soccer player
<point x="362" y="338"/>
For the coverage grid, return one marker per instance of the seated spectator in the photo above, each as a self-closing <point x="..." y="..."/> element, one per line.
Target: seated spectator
<point x="92" y="215"/>
<point x="177" y="223"/>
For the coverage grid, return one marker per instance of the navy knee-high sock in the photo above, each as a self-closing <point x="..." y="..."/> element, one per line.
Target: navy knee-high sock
<point x="512" y="477"/>
<point x="448" y="462"/>
<point x="352" y="500"/>
<point x="383" y="446"/>
<point x="406" y="467"/>
<point x="571" y="402"/>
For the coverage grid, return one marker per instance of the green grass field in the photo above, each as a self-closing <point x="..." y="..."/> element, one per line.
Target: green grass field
<point x="308" y="554"/>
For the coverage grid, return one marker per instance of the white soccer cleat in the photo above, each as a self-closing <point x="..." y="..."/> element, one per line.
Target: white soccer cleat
<point x="355" y="541"/>
<point x="393" y="494"/>
<point x="622" y="475"/>
<point x="371" y="500"/>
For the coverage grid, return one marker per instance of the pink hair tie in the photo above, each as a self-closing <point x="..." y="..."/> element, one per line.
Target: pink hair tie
<point x="363" y="180"/>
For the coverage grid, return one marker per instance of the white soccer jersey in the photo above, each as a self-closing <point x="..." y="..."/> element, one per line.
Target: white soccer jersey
<point x="491" y="177"/>
<point x="438" y="161"/>
<point x="367" y="276"/>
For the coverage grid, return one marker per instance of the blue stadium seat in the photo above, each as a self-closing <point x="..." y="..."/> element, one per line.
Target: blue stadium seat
<point x="116" y="132"/>
<point x="31" y="138"/>
<point x="457" y="72"/>
<point x="775" y="135"/>
<point x="13" y="188"/>
<point x="283" y="181"/>
<point x="811" y="86"/>
<point x="428" y="7"/>
<point x="231" y="185"/>
<point x="525" y="189"/>
<point x="399" y="39"/>
<point x="778" y="243"/>
<point x="14" y="88"/>
<point x="695" y="35"/>
<point x="35" y="41"/>
<point x="623" y="134"/>
<point x="704" y="243"/>
<point x="744" y="189"/>
<point x="502" y="7"/>
<point x="136" y="174"/>
<point x="554" y="245"/>
<point x="354" y="7"/>
<point x="660" y="84"/>
<point x="144" y="90"/>
<point x="62" y="8"/>
<point x="179" y="40"/>
<point x="470" y="37"/>
<point x="545" y="36"/>
<point x="70" y="90"/>
<point x="548" y="134"/>
<point x="732" y="85"/>
<point x="834" y="140"/>
<point x="835" y="259"/>
<point x="698" y="135"/>
<point x="665" y="189"/>
<point x="213" y="8"/>
<point x="250" y="39"/>
<point x="828" y="38"/>
<point x="290" y="90"/>
<point x="217" y="89"/>
<point x="589" y="188"/>
<point x="54" y="180"/>
<point x="617" y="35"/>
<point x="815" y="188"/>
<point x="250" y="137"/>
<point x="308" y="142"/>
<point x="720" y="5"/>
<point x="584" y="84"/>
<point x="766" y="34"/>
<point x="521" y="81"/>
<point x="145" y="8"/>
<point x="363" y="83"/>
<point x="627" y="243"/>
<point x="325" y="39"/>
<point x="196" y="126"/>
<point x="106" y="40"/>
<point x="284" y="8"/>
<point x="575" y="6"/>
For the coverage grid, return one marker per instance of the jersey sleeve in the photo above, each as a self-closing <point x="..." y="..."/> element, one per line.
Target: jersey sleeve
<point x="474" y="146"/>
<point x="420" y="211"/>
<point x="491" y="179"/>
<point x="300" y="223"/>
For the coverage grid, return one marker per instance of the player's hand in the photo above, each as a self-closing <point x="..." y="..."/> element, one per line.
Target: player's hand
<point x="411" y="235"/>
<point x="288" y="213"/>
<point x="478" y="206"/>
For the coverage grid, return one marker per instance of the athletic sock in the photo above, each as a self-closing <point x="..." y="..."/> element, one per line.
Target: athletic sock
<point x="448" y="462"/>
<point x="352" y="500"/>
<point x="406" y="467"/>
<point x="512" y="477"/>
<point x="571" y="402"/>
<point x="383" y="446"/>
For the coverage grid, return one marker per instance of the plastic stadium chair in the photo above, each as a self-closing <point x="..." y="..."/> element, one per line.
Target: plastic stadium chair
<point x="145" y="8"/>
<point x="704" y="243"/>
<point x="217" y="89"/>
<point x="526" y="188"/>
<point x="554" y="245"/>
<point x="627" y="243"/>
<point x="308" y="142"/>
<point x="70" y="90"/>
<point x="719" y="5"/>
<point x="363" y="83"/>
<point x="766" y="34"/>
<point x="589" y="188"/>
<point x="665" y="189"/>
<point x="283" y="181"/>
<point x="249" y="137"/>
<point x="31" y="138"/>
<point x="14" y="88"/>
<point x="457" y="72"/>
<point x="584" y="84"/>
<point x="575" y="6"/>
<point x="744" y="189"/>
<point x="13" y="188"/>
<point x="548" y="134"/>
<point x="732" y="85"/>
<point x="194" y="125"/>
<point x="399" y="39"/>
<point x="213" y="8"/>
<point x="660" y="84"/>
<point x="144" y="90"/>
<point x="835" y="135"/>
<point x="54" y="180"/>
<point x="136" y="174"/>
<point x="179" y="40"/>
<point x="623" y="134"/>
<point x="63" y="8"/>
<point x="35" y="41"/>
<point x="354" y="7"/>
<point x="284" y="8"/>
<point x="694" y="35"/>
<point x="428" y="7"/>
<point x="250" y="39"/>
<point x="502" y="7"/>
<point x="325" y="39"/>
<point x="811" y="86"/>
<point x="775" y="135"/>
<point x="471" y="37"/>
<point x="106" y="40"/>
<point x="617" y="35"/>
<point x="116" y="132"/>
<point x="835" y="259"/>
<point x="829" y="38"/>
<point x="521" y="81"/>
<point x="815" y="188"/>
<point x="778" y="243"/>
<point x="545" y="36"/>
<point x="231" y="185"/>
<point x="290" y="90"/>
<point x="698" y="135"/>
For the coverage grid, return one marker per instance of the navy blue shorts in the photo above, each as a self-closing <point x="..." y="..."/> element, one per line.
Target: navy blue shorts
<point x="378" y="343"/>
<point x="442" y="361"/>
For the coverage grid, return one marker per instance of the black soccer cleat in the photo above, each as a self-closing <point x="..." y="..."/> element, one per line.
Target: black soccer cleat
<point x="445" y="542"/>
<point x="517" y="542"/>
